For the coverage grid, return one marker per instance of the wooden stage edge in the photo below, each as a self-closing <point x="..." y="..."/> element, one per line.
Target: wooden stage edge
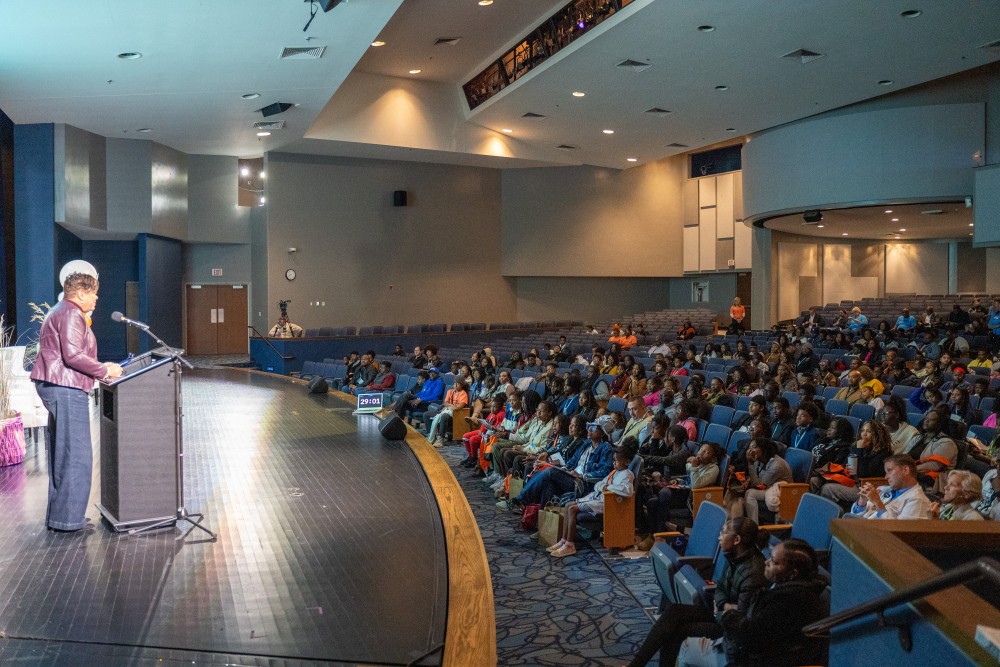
<point x="470" y="629"/>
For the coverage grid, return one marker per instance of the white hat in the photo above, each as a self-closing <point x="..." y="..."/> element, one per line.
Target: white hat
<point x="76" y="266"/>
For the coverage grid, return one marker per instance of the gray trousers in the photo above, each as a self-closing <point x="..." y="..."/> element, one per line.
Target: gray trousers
<point x="70" y="456"/>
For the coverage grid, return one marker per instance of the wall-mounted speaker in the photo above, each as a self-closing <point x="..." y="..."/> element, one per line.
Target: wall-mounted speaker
<point x="392" y="428"/>
<point x="318" y="386"/>
<point x="399" y="198"/>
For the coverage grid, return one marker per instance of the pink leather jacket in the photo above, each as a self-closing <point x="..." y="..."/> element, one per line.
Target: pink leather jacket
<point x="67" y="350"/>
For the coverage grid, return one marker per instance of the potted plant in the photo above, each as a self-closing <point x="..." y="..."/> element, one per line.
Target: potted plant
<point x="11" y="426"/>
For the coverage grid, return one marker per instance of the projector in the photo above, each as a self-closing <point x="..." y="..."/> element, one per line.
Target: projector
<point x="812" y="217"/>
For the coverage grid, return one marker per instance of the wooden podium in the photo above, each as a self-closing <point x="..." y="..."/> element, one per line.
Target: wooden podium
<point x="140" y="428"/>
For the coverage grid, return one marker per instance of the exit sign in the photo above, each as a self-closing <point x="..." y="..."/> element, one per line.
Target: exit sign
<point x="216" y="273"/>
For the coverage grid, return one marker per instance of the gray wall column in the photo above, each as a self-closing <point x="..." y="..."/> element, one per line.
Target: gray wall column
<point x="761" y="280"/>
<point x="953" y="267"/>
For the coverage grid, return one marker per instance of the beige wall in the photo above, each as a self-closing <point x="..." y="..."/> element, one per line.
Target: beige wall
<point x="589" y="221"/>
<point x="798" y="272"/>
<point x="916" y="268"/>
<point x="435" y="260"/>
<point x="591" y="299"/>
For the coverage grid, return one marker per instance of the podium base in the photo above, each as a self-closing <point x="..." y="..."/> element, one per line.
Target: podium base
<point x="120" y="526"/>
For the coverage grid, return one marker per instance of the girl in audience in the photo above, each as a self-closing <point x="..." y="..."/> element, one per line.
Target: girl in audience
<point x="962" y="489"/>
<point x="691" y="361"/>
<point x="610" y="365"/>
<point x="773" y="355"/>
<point x="766" y="469"/>
<point x="678" y="368"/>
<point x="635" y="386"/>
<point x="571" y="435"/>
<point x="738" y="383"/>
<point x="684" y="417"/>
<point x="474" y="439"/>
<point x="866" y="459"/>
<point x="559" y="438"/>
<point x="619" y="482"/>
<point x="587" y="407"/>
<point x="725" y="352"/>
<point x="717" y="394"/>
<point x="830" y="454"/>
<point x="901" y="432"/>
<point x="515" y="357"/>
<point x="456" y="398"/>
<point x="960" y="406"/>
<point x="652" y="397"/>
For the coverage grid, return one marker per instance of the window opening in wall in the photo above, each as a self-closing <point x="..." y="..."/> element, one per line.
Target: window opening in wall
<point x="717" y="161"/>
<point x="699" y="291"/>
<point x="250" y="178"/>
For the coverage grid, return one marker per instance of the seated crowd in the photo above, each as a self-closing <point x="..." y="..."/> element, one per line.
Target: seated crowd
<point x="898" y="422"/>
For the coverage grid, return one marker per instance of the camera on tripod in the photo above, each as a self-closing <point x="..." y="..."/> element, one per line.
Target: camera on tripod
<point x="283" y="305"/>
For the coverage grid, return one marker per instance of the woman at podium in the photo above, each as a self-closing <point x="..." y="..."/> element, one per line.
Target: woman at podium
<point x="64" y="373"/>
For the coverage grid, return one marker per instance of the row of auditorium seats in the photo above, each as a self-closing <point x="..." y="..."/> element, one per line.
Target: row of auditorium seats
<point x="889" y="307"/>
<point x="397" y="329"/>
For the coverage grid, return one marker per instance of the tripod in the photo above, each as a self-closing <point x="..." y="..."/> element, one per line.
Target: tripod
<point x="182" y="513"/>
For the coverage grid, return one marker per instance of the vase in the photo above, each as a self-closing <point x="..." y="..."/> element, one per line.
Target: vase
<point x="11" y="440"/>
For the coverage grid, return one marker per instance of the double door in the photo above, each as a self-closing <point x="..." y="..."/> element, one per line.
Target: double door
<point x="216" y="317"/>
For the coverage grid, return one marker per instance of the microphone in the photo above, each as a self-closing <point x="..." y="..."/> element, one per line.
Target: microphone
<point x="118" y="317"/>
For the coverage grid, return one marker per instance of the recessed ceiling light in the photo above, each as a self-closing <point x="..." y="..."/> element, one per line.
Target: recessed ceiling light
<point x="722" y="87"/>
<point x="244" y="171"/>
<point x="902" y="229"/>
<point x="507" y="130"/>
<point x="250" y="96"/>
<point x="886" y="82"/>
<point x="377" y="43"/>
<point x="631" y="159"/>
<point x="844" y="234"/>
<point x="730" y="129"/>
<point x="485" y="3"/>
<point x="970" y="233"/>
<point x="972" y="224"/>
<point x="888" y="210"/>
<point x="911" y="13"/>
<point x="821" y="226"/>
<point x="577" y="93"/>
<point x="898" y="236"/>
<point x="263" y="174"/>
<point x="144" y="129"/>
<point x="895" y="219"/>
<point x="130" y="55"/>
<point x="416" y="71"/>
<point x="608" y="131"/>
<point x="263" y="199"/>
<point x="706" y="28"/>
<point x="263" y="134"/>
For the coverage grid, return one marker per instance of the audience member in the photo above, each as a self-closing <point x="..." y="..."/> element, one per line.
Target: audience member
<point x="901" y="498"/>
<point x="962" y="489"/>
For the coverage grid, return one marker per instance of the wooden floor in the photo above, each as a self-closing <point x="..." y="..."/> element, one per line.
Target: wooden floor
<point x="331" y="549"/>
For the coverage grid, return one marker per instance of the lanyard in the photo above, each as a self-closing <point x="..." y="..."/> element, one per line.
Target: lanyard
<point x="799" y="439"/>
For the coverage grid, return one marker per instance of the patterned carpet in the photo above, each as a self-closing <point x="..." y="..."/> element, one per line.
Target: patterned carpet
<point x="586" y="609"/>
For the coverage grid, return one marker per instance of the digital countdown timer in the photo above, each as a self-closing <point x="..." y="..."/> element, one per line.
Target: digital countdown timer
<point x="370" y="402"/>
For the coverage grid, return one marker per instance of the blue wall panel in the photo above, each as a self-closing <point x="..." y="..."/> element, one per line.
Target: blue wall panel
<point x="117" y="265"/>
<point x="34" y="207"/>
<point x="160" y="272"/>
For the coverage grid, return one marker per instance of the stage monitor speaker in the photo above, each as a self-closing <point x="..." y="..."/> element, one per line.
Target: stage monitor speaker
<point x="399" y="198"/>
<point x="318" y="386"/>
<point x="392" y="428"/>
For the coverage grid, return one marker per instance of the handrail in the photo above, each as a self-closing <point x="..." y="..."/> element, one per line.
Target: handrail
<point x="981" y="568"/>
<point x="270" y="344"/>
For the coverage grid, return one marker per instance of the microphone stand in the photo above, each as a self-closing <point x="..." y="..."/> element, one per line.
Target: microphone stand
<point x="182" y="513"/>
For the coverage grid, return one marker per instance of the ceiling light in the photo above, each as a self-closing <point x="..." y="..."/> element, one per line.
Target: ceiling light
<point x="730" y="129"/>
<point x="722" y="87"/>
<point x="895" y="219"/>
<point x="144" y="130"/>
<point x="821" y="226"/>
<point x="130" y="55"/>
<point x="262" y="200"/>
<point x="902" y="229"/>
<point x="578" y="94"/>
<point x="844" y="234"/>
<point x="911" y="13"/>
<point x="250" y="96"/>
<point x="631" y="159"/>
<point x="377" y="43"/>
<point x="898" y="236"/>
<point x="972" y="224"/>
<point x="507" y="130"/>
<point x="263" y="134"/>
<point x="415" y="71"/>
<point x="485" y="3"/>
<point x="888" y="210"/>
<point x="886" y="82"/>
<point x="244" y="171"/>
<point x="263" y="175"/>
<point x="706" y="28"/>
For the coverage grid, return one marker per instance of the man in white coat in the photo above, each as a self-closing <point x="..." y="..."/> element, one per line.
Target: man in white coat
<point x="903" y="498"/>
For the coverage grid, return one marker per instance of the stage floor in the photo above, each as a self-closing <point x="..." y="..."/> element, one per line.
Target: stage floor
<point x="330" y="546"/>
